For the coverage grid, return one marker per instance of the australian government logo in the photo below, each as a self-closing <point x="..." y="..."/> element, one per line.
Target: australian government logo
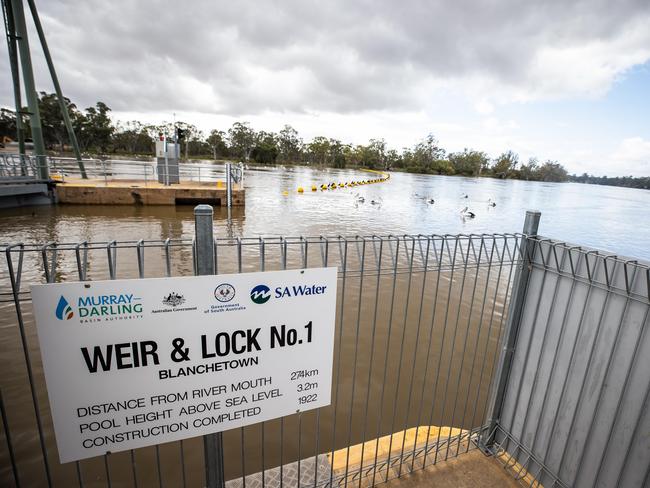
<point x="100" y="308"/>
<point x="173" y="302"/>
<point x="224" y="300"/>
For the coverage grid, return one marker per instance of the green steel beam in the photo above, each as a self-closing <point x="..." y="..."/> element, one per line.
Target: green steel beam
<point x="10" y="30"/>
<point x="57" y="88"/>
<point x="30" y="89"/>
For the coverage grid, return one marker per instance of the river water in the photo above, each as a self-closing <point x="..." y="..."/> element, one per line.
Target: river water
<point x="607" y="218"/>
<point x="405" y="341"/>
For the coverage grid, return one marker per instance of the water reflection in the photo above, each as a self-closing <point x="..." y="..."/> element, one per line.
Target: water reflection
<point x="596" y="216"/>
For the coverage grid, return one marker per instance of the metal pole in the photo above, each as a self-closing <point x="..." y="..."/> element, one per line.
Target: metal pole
<point x="228" y="185"/>
<point x="519" y="287"/>
<point x="10" y="29"/>
<point x="176" y="151"/>
<point x="30" y="89"/>
<point x="57" y="89"/>
<point x="205" y="265"/>
<point x="166" y="161"/>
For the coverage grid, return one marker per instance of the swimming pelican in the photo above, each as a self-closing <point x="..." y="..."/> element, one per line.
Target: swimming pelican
<point x="467" y="213"/>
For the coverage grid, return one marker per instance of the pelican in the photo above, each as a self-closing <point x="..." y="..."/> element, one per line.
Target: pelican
<point x="431" y="201"/>
<point x="467" y="213"/>
<point x="491" y="203"/>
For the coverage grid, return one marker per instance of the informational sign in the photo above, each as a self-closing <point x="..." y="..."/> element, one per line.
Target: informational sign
<point x="172" y="149"/>
<point x="133" y="363"/>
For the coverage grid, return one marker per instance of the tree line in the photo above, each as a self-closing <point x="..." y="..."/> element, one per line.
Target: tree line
<point x="642" y="182"/>
<point x="97" y="134"/>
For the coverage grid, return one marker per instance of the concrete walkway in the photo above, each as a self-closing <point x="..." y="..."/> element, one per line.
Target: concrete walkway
<point x="471" y="470"/>
<point x="443" y="448"/>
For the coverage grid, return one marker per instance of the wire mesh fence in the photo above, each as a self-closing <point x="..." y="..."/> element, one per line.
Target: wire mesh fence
<point x="419" y="321"/>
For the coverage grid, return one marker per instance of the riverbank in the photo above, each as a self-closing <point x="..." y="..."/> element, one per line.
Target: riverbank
<point x="617" y="181"/>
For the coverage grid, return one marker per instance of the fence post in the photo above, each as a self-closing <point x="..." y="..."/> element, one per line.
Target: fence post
<point x="205" y="265"/>
<point x="518" y="296"/>
<point x="228" y="185"/>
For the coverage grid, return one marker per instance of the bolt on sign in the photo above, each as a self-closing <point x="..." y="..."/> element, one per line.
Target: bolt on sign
<point x="133" y="363"/>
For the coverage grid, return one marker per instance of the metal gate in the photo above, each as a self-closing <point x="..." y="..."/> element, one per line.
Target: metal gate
<point x="573" y="409"/>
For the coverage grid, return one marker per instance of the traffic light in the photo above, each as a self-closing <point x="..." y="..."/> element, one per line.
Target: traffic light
<point x="180" y="134"/>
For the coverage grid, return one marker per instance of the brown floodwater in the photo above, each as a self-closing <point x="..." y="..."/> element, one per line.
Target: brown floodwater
<point x="413" y="347"/>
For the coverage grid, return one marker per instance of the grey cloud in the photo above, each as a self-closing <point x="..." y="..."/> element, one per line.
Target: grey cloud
<point x="346" y="57"/>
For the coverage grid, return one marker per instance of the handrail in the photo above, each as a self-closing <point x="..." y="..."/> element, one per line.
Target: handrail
<point x="16" y="165"/>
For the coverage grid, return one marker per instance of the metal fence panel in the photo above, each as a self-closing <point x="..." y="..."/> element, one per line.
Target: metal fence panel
<point x="575" y="407"/>
<point x="419" y="321"/>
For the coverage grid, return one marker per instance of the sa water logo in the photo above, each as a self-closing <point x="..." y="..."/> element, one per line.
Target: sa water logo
<point x="64" y="310"/>
<point x="260" y="294"/>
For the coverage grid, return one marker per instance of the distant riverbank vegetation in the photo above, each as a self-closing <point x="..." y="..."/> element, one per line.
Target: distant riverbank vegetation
<point x="99" y="135"/>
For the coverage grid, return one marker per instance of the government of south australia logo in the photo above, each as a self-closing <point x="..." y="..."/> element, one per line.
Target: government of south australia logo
<point x="63" y="309"/>
<point x="260" y="294"/>
<point x="224" y="292"/>
<point x="173" y="300"/>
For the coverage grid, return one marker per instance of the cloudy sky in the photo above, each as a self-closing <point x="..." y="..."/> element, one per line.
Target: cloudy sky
<point x="564" y="80"/>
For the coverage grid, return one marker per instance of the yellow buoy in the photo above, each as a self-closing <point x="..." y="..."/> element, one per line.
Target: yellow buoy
<point x="313" y="188"/>
<point x="300" y="189"/>
<point x="285" y="193"/>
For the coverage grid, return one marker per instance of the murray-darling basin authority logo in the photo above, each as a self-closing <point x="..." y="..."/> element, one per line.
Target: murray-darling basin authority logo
<point x="100" y="308"/>
<point x="63" y="309"/>
<point x="260" y="294"/>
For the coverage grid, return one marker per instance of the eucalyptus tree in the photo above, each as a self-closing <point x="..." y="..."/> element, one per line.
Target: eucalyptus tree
<point x="505" y="165"/>
<point x="289" y="144"/>
<point x="242" y="140"/>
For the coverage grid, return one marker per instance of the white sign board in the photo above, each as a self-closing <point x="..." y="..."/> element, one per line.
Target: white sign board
<point x="173" y="150"/>
<point x="132" y="363"/>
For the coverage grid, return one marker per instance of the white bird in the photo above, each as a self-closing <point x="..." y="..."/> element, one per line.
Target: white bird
<point x="467" y="213"/>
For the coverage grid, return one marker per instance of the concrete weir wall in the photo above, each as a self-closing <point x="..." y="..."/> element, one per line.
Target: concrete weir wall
<point x="91" y="193"/>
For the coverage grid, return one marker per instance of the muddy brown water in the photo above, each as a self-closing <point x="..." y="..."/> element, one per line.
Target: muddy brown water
<point x="411" y="348"/>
